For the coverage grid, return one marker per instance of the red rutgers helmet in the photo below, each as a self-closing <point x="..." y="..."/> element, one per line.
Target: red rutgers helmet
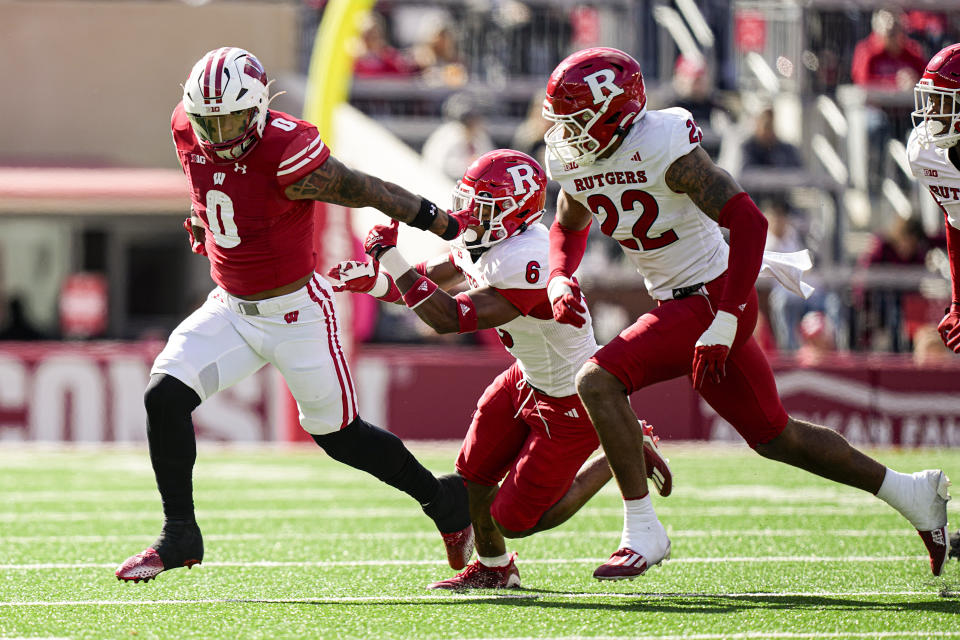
<point x="592" y="96"/>
<point x="226" y="99"/>
<point x="936" y="115"/>
<point x="508" y="191"/>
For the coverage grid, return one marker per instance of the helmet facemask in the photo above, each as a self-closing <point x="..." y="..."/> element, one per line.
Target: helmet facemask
<point x="498" y="216"/>
<point x="936" y="115"/>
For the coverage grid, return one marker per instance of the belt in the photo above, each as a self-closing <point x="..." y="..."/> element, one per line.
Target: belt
<point x="269" y="307"/>
<point x="683" y="292"/>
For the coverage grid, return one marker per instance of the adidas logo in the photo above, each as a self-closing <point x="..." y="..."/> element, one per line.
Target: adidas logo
<point x="464" y="310"/>
<point x="423" y="286"/>
<point x="632" y="560"/>
<point x="572" y="413"/>
<point x="742" y="306"/>
<point x="937" y="536"/>
<point x="636" y="157"/>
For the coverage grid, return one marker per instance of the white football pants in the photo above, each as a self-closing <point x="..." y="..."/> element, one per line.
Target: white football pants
<point x="228" y="339"/>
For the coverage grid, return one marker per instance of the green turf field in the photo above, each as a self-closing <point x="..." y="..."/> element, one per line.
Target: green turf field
<point x="298" y="546"/>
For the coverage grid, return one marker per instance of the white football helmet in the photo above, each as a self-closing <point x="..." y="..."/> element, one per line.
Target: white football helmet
<point x="226" y="98"/>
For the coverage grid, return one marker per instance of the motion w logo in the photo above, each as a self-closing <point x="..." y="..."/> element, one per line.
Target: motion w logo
<point x="291" y="317"/>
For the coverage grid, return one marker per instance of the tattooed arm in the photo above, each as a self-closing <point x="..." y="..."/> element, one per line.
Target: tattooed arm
<point x="709" y="186"/>
<point x="336" y="183"/>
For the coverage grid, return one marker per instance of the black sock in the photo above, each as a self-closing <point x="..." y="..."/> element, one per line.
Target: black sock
<point x="383" y="455"/>
<point x="173" y="443"/>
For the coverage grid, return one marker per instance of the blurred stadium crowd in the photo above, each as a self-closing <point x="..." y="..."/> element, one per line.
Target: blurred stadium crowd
<point x="806" y="102"/>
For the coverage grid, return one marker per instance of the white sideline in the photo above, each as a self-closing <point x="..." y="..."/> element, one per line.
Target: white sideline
<point x="874" y="508"/>
<point x="269" y="564"/>
<point x="902" y="532"/>
<point x="762" y="634"/>
<point x="446" y="597"/>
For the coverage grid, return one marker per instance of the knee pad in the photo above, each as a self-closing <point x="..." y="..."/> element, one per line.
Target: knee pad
<point x="165" y="395"/>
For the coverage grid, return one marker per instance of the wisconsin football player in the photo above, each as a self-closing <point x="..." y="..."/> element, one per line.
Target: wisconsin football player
<point x="653" y="189"/>
<point x="253" y="174"/>
<point x="524" y="453"/>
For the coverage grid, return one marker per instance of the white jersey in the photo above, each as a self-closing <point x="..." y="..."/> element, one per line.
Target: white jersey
<point x="669" y="240"/>
<point x="933" y="169"/>
<point x="549" y="353"/>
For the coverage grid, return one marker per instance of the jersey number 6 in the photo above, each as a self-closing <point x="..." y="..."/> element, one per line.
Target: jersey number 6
<point x="628" y="200"/>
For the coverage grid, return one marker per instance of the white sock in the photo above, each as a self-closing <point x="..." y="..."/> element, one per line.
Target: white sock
<point x="495" y="561"/>
<point x="641" y="527"/>
<point x="910" y="494"/>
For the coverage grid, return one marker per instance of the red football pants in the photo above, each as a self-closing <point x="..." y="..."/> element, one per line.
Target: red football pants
<point x="659" y="346"/>
<point x="537" y="441"/>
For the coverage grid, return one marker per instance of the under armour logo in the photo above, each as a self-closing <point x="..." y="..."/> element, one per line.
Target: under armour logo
<point x="241" y="168"/>
<point x="219" y="177"/>
<point x="291" y="317"/>
<point x="636" y="157"/>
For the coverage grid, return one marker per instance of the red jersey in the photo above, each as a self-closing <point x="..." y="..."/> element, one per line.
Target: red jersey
<point x="256" y="238"/>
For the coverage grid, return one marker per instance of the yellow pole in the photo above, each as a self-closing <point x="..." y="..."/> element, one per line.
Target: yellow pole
<point x="331" y="63"/>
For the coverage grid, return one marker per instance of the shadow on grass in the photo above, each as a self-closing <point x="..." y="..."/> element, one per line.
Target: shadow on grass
<point x="948" y="602"/>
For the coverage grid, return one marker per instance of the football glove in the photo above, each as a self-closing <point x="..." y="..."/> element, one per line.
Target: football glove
<point x="380" y="238"/>
<point x="364" y="277"/>
<point x="196" y="244"/>
<point x="567" y="301"/>
<point x="464" y="218"/>
<point x="949" y="328"/>
<point x="711" y="351"/>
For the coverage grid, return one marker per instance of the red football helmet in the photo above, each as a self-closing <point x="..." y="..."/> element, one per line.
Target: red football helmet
<point x="592" y="96"/>
<point x="226" y="98"/>
<point x="507" y="190"/>
<point x="936" y="115"/>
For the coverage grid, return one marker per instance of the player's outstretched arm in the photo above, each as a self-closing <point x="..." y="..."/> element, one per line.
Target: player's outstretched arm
<point x="336" y="183"/>
<point x="720" y="197"/>
<point x="466" y="312"/>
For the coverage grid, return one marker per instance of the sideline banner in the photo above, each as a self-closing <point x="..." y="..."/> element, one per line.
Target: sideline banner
<point x="93" y="392"/>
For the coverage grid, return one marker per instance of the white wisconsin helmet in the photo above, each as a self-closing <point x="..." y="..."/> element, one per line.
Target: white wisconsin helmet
<point x="226" y="98"/>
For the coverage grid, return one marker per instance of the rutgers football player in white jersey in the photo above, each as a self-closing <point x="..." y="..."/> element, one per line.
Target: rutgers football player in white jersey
<point x="530" y="430"/>
<point x="254" y="174"/>
<point x="653" y="189"/>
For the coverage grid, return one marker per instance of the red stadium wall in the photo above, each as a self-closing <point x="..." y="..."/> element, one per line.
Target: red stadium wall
<point x="92" y="392"/>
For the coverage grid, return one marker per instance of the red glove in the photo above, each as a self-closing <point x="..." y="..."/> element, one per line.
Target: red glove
<point x="380" y="238"/>
<point x="949" y="328"/>
<point x="713" y="347"/>
<point x="567" y="301"/>
<point x="364" y="277"/>
<point x="195" y="245"/>
<point x="463" y="218"/>
<point x="354" y="276"/>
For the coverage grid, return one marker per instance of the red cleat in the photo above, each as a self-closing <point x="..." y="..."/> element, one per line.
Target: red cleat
<point x="933" y="526"/>
<point x="180" y="545"/>
<point x="657" y="468"/>
<point x="480" y="576"/>
<point x="459" y="545"/>
<point x="627" y="564"/>
<point x="936" y="542"/>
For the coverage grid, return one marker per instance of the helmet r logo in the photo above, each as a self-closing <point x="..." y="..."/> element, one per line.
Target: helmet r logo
<point x="522" y="174"/>
<point x="600" y="80"/>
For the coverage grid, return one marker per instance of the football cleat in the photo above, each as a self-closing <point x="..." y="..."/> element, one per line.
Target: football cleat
<point x="657" y="468"/>
<point x="180" y="545"/>
<point x="459" y="546"/>
<point x="934" y="532"/>
<point x="627" y="564"/>
<point x="480" y="576"/>
<point x="450" y="511"/>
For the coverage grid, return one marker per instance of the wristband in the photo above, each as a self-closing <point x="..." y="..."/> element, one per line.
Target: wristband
<point x="425" y="216"/>
<point x="392" y="260"/>
<point x="385" y="288"/>
<point x="467" y="320"/>
<point x="422" y="289"/>
<point x="452" y="230"/>
<point x="421" y="268"/>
